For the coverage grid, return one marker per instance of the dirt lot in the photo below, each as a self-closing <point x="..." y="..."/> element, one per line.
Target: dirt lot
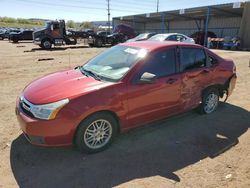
<point x="185" y="151"/>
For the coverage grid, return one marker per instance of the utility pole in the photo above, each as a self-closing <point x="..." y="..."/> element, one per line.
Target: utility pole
<point x="157" y="8"/>
<point x="108" y="15"/>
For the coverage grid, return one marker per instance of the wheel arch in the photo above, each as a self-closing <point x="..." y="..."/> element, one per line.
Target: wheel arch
<point x="112" y="113"/>
<point x="221" y="88"/>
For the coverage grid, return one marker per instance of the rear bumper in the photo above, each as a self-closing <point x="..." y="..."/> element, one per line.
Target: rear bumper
<point x="232" y="84"/>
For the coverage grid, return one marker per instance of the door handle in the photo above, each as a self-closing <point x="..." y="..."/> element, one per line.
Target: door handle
<point x="171" y="81"/>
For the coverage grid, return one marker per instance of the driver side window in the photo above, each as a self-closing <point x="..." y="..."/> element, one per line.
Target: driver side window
<point x="55" y="26"/>
<point x="161" y="64"/>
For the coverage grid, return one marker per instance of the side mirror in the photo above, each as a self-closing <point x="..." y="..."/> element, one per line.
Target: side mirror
<point x="147" y="78"/>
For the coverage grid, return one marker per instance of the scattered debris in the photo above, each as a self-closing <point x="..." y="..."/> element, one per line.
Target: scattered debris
<point x="7" y="145"/>
<point x="20" y="46"/>
<point x="46" y="59"/>
<point x="228" y="176"/>
<point x="28" y="51"/>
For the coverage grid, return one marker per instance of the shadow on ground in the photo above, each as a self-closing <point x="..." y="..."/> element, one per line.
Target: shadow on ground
<point x="159" y="149"/>
<point x="59" y="48"/>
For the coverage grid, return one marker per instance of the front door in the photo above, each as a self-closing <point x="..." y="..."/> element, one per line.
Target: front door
<point x="151" y="101"/>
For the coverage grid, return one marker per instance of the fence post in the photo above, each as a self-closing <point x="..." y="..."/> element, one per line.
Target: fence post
<point x="162" y="22"/>
<point x="206" y="26"/>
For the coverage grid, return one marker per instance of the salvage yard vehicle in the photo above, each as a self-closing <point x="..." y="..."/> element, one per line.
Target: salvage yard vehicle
<point x="54" y="33"/>
<point x="5" y="33"/>
<point x="100" y="39"/>
<point x="172" y="37"/>
<point x="141" y="37"/>
<point x="126" y="86"/>
<point x="22" y="35"/>
<point x="120" y="34"/>
<point x="231" y="43"/>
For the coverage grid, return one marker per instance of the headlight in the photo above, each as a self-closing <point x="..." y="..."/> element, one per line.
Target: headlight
<point x="46" y="111"/>
<point x="37" y="38"/>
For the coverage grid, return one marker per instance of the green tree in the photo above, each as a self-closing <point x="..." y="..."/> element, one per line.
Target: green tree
<point x="86" y="25"/>
<point x="71" y="24"/>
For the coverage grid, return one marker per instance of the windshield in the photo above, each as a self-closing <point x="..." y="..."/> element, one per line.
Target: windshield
<point x="114" y="63"/>
<point x="47" y="25"/>
<point x="141" y="36"/>
<point x="159" y="37"/>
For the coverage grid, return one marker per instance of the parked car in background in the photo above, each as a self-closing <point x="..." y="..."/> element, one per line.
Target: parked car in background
<point x="5" y="34"/>
<point x="89" y="31"/>
<point x="200" y="35"/>
<point x="125" y="86"/>
<point x="172" y="37"/>
<point x="105" y="38"/>
<point x="231" y="43"/>
<point x="22" y="35"/>
<point x="141" y="37"/>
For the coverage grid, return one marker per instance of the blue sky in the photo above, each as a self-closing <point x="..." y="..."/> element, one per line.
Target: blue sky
<point x="92" y="10"/>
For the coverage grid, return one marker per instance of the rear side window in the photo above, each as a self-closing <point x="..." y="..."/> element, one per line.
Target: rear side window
<point x="172" y="38"/>
<point x="161" y="64"/>
<point x="180" y="38"/>
<point x="192" y="58"/>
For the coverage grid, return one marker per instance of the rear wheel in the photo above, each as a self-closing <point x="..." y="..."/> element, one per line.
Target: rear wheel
<point x="15" y="41"/>
<point x="96" y="133"/>
<point x="210" y="100"/>
<point x="98" y="42"/>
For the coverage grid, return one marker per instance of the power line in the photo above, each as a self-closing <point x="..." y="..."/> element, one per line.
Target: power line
<point x="108" y="16"/>
<point x="157" y="9"/>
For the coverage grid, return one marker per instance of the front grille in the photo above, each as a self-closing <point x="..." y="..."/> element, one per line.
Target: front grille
<point x="25" y="111"/>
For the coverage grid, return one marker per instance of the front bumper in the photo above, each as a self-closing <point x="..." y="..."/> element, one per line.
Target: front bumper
<point x="56" y="132"/>
<point x="232" y="84"/>
<point x="37" y="42"/>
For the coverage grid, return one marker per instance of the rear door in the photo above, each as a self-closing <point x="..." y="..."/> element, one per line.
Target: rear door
<point x="195" y="74"/>
<point x="152" y="101"/>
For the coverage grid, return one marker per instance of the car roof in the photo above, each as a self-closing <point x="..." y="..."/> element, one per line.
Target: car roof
<point x="153" y="45"/>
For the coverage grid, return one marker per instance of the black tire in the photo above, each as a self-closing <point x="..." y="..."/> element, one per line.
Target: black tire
<point x="91" y="45"/>
<point x="15" y="41"/>
<point x="1" y="38"/>
<point x="210" y="100"/>
<point x="81" y="135"/>
<point x="98" y="43"/>
<point x="46" y="44"/>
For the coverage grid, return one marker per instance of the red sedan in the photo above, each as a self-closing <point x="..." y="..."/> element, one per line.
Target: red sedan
<point x="124" y="87"/>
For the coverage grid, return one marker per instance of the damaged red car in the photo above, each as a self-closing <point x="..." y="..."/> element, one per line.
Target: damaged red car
<point x="126" y="86"/>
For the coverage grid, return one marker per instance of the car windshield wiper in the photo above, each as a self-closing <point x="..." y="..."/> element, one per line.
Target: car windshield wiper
<point x="90" y="73"/>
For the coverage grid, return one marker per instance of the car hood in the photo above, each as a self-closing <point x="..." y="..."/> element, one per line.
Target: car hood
<point x="60" y="85"/>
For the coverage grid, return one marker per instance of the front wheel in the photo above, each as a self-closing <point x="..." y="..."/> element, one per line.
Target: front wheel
<point x="210" y="101"/>
<point x="46" y="44"/>
<point x="96" y="133"/>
